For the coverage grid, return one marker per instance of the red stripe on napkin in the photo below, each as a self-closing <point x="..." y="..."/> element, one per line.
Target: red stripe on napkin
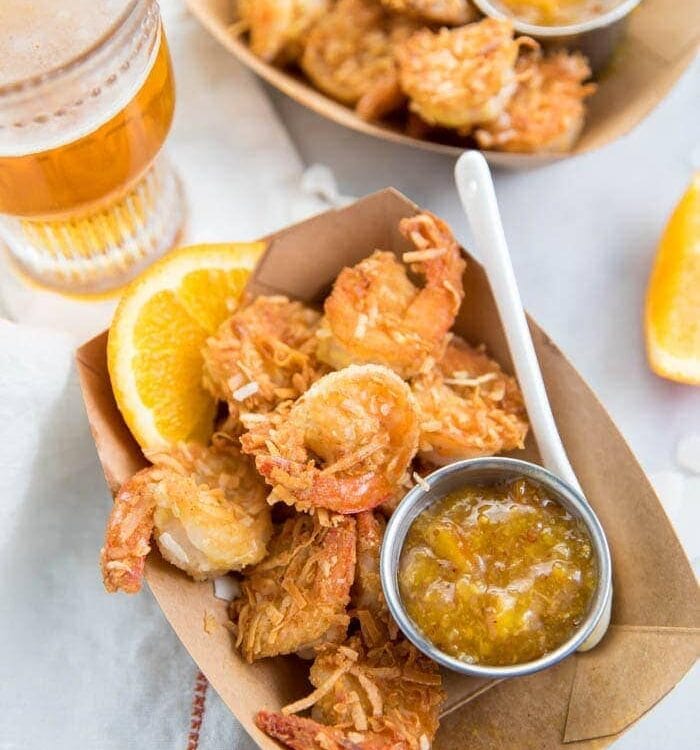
<point x="200" y="696"/>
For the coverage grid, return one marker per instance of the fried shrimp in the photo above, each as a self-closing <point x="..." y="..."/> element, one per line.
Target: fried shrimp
<point x="383" y="698"/>
<point x="296" y="597"/>
<point x="278" y="28"/>
<point x="376" y="314"/>
<point x="462" y="77"/>
<point x="343" y="445"/>
<point x="468" y="406"/>
<point x="444" y="12"/>
<point x="205" y="506"/>
<point x="547" y="110"/>
<point x="263" y="354"/>
<point x="368" y="602"/>
<point x="349" y="55"/>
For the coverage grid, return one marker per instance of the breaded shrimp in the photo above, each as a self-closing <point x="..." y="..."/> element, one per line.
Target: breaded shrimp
<point x="462" y="77"/>
<point x="368" y="602"/>
<point x="384" y="698"/>
<point x="444" y="12"/>
<point x="376" y="314"/>
<point x="469" y="407"/>
<point x="278" y="28"/>
<point x="296" y="597"/>
<point x="546" y="113"/>
<point x="262" y="355"/>
<point x="349" y="55"/>
<point x="205" y="506"/>
<point x="343" y="445"/>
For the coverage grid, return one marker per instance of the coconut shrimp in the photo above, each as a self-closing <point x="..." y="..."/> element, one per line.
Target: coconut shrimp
<point x="344" y="445"/>
<point x="368" y="602"/>
<point x="278" y="28"/>
<point x="205" y="507"/>
<point x="469" y="407"/>
<point x="296" y="597"/>
<point x="547" y="110"/>
<point x="349" y="55"/>
<point x="444" y="12"/>
<point x="462" y="77"/>
<point x="420" y="469"/>
<point x="376" y="314"/>
<point x="383" y="698"/>
<point x="262" y="355"/>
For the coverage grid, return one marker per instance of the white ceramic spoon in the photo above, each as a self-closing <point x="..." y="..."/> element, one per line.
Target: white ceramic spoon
<point x="478" y="197"/>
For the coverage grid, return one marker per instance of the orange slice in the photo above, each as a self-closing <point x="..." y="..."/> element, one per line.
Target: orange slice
<point x="156" y="337"/>
<point x="673" y="296"/>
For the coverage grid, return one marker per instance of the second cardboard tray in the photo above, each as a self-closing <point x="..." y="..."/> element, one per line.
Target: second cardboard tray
<point x="661" y="41"/>
<point x="588" y="699"/>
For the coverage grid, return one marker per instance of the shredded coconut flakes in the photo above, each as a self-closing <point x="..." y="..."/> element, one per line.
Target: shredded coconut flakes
<point x="226" y="588"/>
<point x="421" y="482"/>
<point x="173" y="547"/>
<point x="245" y="391"/>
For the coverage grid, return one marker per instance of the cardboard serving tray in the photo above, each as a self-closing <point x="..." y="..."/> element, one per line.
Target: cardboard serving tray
<point x="660" y="42"/>
<point x="586" y="700"/>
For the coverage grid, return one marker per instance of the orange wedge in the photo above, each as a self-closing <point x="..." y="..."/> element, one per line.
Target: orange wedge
<point x="156" y="337"/>
<point x="673" y="296"/>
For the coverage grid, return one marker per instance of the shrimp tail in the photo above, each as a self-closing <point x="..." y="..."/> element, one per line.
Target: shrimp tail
<point x="309" y="488"/>
<point x="127" y="539"/>
<point x="441" y="269"/>
<point x="301" y="734"/>
<point x="351" y="494"/>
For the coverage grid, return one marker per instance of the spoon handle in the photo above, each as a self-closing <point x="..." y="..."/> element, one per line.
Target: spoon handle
<point x="478" y="197"/>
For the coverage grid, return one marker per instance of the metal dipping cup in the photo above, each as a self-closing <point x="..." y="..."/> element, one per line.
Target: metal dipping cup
<point x="485" y="471"/>
<point x="596" y="37"/>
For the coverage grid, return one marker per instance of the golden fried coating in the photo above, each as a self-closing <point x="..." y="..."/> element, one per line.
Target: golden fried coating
<point x="368" y="602"/>
<point x="462" y="77"/>
<point x="383" y="98"/>
<point x="379" y="55"/>
<point x="205" y="506"/>
<point x="262" y="355"/>
<point x="547" y="111"/>
<point x="383" y="698"/>
<point x="349" y="55"/>
<point x="376" y="314"/>
<point x="296" y="597"/>
<point x="278" y="28"/>
<point x="344" y="445"/>
<point x="469" y="407"/>
<point x="443" y="12"/>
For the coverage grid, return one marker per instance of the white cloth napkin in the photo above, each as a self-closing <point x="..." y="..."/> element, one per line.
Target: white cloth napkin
<point x="80" y="668"/>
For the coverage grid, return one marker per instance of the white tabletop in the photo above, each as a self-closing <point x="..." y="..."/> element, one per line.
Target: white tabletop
<point x="583" y="234"/>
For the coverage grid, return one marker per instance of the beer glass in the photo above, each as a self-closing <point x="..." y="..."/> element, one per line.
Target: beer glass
<point x="86" y="102"/>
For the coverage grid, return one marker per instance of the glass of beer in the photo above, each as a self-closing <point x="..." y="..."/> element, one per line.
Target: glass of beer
<point x="86" y="102"/>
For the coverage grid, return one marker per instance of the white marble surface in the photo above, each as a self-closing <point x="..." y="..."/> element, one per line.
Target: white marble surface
<point x="583" y="234"/>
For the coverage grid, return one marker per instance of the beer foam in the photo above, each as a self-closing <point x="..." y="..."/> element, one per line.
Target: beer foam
<point x="37" y="36"/>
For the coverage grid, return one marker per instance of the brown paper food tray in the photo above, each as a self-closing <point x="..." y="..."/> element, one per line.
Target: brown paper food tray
<point x="586" y="700"/>
<point x="661" y="41"/>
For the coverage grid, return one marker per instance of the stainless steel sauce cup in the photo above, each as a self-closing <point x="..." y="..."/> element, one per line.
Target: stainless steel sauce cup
<point x="596" y="37"/>
<point x="484" y="471"/>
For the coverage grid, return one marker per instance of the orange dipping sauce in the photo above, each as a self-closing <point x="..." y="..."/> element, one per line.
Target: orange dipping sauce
<point x="497" y="575"/>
